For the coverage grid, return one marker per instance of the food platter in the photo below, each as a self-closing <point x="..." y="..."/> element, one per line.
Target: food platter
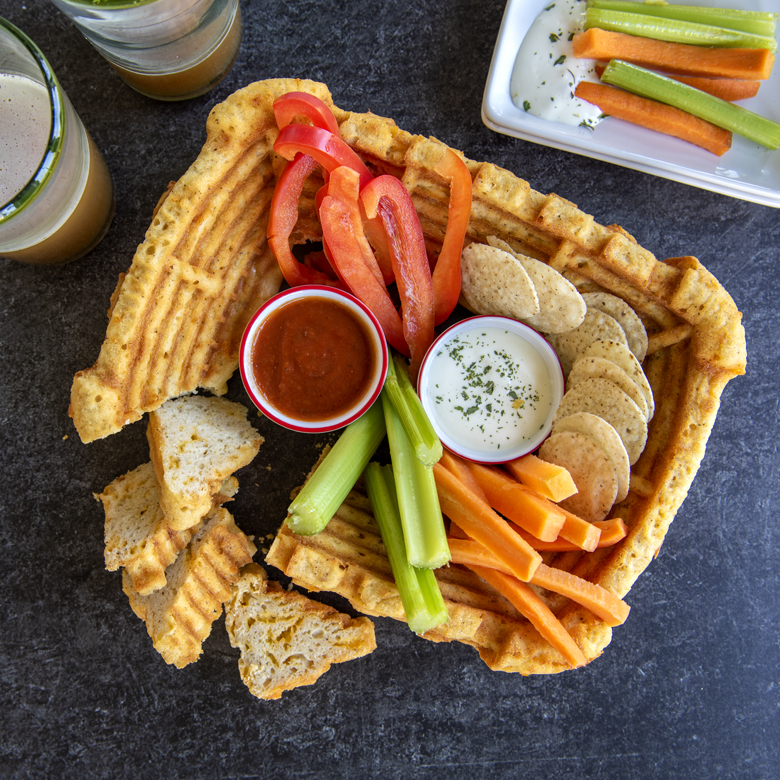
<point x="747" y="171"/>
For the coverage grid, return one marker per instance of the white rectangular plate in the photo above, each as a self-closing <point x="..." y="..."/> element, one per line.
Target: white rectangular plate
<point x="747" y="171"/>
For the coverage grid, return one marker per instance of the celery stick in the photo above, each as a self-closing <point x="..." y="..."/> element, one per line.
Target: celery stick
<point x="420" y="594"/>
<point x="328" y="486"/>
<point x="675" y="31"/>
<point x="409" y="408"/>
<point x="418" y="501"/>
<point x="720" y="112"/>
<point x="756" y="22"/>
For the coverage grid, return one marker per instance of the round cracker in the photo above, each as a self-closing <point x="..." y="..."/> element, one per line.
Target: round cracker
<point x="493" y="282"/>
<point x="636" y="333"/>
<point x="594" y="367"/>
<point x="591" y="470"/>
<point x="621" y="355"/>
<point x="561" y="307"/>
<point x="606" y="438"/>
<point x="606" y="400"/>
<point x="596" y="326"/>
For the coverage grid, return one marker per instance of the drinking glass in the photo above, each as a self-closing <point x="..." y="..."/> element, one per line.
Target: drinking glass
<point x="56" y="194"/>
<point x="165" y="49"/>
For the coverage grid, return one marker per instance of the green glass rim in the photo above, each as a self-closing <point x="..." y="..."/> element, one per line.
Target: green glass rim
<point x="46" y="167"/>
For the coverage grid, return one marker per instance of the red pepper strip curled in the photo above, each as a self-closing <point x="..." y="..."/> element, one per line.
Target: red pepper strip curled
<point x="375" y="233"/>
<point x="387" y="197"/>
<point x="282" y="219"/>
<point x="293" y="104"/>
<point x="327" y="149"/>
<point x="350" y="253"/>
<point x="446" y="273"/>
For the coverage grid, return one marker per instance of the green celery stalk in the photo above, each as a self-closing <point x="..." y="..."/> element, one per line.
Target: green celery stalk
<point x="755" y="22"/>
<point x="418" y="500"/>
<point x="328" y="486"/>
<point x="409" y="408"/>
<point x="720" y="112"/>
<point x="420" y="594"/>
<point x="675" y="30"/>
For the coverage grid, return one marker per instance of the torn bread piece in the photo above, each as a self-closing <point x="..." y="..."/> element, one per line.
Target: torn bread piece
<point x="195" y="443"/>
<point x="287" y="639"/>
<point x="179" y="616"/>
<point x="137" y="535"/>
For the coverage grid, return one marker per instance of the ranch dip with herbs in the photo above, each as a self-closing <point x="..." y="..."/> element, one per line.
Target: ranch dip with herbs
<point x="490" y="389"/>
<point x="546" y="72"/>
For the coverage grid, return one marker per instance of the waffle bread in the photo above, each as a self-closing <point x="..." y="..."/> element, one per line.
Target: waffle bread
<point x="286" y="639"/>
<point x="137" y="535"/>
<point x="695" y="345"/>
<point x="179" y="616"/>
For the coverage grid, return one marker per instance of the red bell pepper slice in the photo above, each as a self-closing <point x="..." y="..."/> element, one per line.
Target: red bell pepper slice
<point x="351" y="255"/>
<point x="446" y="272"/>
<point x="325" y="147"/>
<point x="282" y="219"/>
<point x="294" y="104"/>
<point x="387" y="197"/>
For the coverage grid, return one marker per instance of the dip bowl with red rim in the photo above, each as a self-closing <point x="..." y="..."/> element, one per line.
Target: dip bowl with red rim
<point x="313" y="359"/>
<point x="491" y="387"/>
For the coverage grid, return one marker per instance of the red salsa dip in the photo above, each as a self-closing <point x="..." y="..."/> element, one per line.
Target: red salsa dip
<point x="313" y="359"/>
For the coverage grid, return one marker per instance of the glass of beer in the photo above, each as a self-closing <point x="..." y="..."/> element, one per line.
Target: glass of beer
<point x="56" y="194"/>
<point x="165" y="49"/>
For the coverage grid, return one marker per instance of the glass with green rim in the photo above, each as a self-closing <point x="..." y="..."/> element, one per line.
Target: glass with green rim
<point x="56" y="197"/>
<point x="165" y="49"/>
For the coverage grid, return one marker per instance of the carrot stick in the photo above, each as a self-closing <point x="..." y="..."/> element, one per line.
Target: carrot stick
<point x="530" y="606"/>
<point x="461" y="470"/>
<point x="603" y="604"/>
<point x="580" y="532"/>
<point x="683" y="58"/>
<point x="655" y="116"/>
<point x="480" y="522"/>
<point x="725" y="89"/>
<point x="612" y="531"/>
<point x="546" y="479"/>
<point x="517" y="503"/>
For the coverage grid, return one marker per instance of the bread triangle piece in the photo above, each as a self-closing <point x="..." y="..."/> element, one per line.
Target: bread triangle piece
<point x="286" y="639"/>
<point x="195" y="443"/>
<point x="179" y="616"/>
<point x="137" y="535"/>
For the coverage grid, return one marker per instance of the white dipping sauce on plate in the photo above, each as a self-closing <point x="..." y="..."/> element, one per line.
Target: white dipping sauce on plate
<point x="546" y="70"/>
<point x="489" y="389"/>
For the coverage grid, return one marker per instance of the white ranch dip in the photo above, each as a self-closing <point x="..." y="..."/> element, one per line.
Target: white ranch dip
<point x="489" y="389"/>
<point x="546" y="71"/>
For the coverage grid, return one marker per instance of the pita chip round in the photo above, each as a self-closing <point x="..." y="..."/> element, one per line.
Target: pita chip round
<point x="595" y="367"/>
<point x="591" y="470"/>
<point x="606" y="400"/>
<point x="621" y="355"/>
<point x="606" y="438"/>
<point x="595" y="326"/>
<point x="494" y="282"/>
<point x="561" y="307"/>
<point x="636" y="333"/>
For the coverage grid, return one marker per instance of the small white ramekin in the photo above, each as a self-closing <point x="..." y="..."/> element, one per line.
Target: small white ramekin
<point x="427" y="376"/>
<point x="372" y="328"/>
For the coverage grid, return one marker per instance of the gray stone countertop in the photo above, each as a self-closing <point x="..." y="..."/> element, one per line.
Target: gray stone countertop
<point x="689" y="685"/>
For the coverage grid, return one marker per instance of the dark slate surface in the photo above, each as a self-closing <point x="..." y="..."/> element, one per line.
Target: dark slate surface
<point x="688" y="687"/>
